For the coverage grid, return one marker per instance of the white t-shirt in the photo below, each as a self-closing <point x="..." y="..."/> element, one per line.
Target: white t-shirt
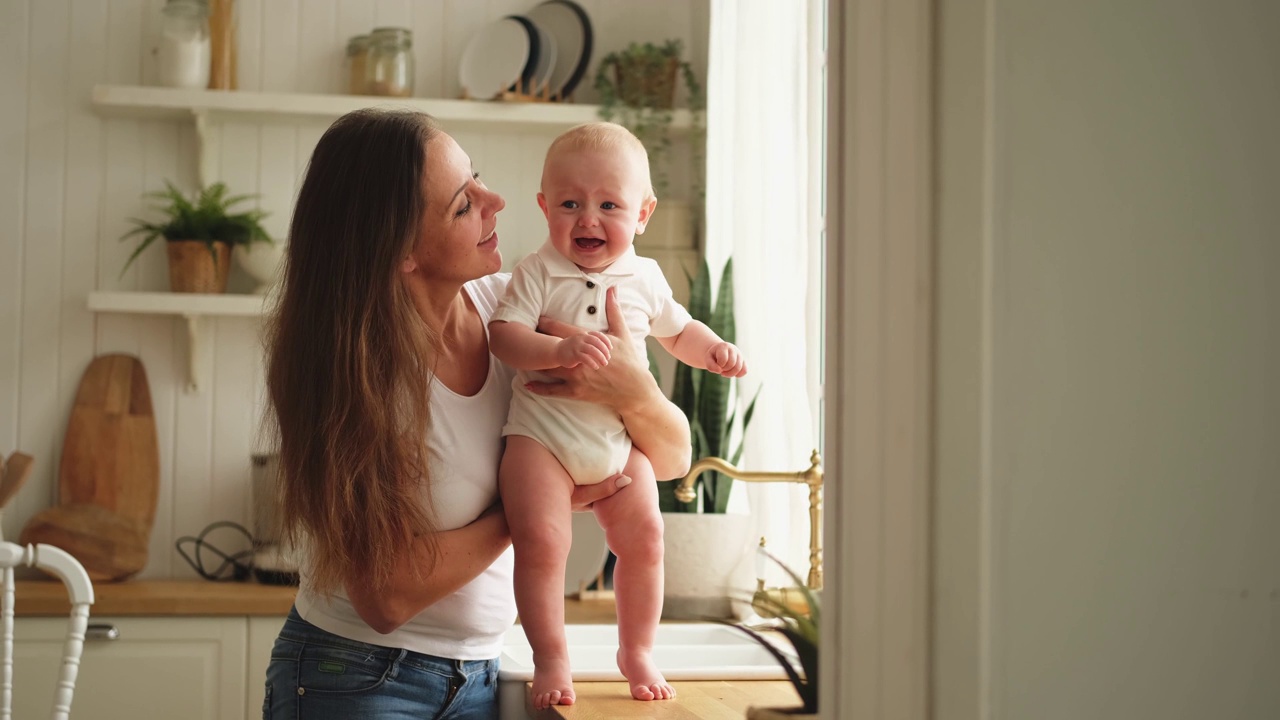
<point x="466" y="447"/>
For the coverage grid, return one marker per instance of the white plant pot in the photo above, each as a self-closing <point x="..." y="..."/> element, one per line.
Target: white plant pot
<point x="261" y="261"/>
<point x="707" y="569"/>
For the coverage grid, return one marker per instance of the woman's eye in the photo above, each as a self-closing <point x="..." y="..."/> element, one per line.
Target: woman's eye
<point x="476" y="176"/>
<point x="463" y="210"/>
<point x="608" y="205"/>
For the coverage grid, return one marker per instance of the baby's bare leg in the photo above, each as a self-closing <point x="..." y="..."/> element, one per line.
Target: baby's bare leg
<point x="535" y="493"/>
<point x="633" y="527"/>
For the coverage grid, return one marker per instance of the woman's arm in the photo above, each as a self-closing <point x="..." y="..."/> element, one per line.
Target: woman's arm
<point x="656" y="426"/>
<point x="464" y="553"/>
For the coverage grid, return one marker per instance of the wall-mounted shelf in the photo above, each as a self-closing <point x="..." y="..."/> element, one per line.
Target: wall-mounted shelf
<point x="140" y="101"/>
<point x="214" y="106"/>
<point x="190" y="306"/>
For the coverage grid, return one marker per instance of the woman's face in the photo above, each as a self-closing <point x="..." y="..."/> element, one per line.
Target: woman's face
<point x="458" y="239"/>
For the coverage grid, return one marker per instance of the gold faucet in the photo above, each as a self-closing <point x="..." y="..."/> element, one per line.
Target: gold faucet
<point x="811" y="477"/>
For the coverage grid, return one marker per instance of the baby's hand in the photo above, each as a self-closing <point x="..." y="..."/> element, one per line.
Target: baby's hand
<point x="590" y="349"/>
<point x="725" y="358"/>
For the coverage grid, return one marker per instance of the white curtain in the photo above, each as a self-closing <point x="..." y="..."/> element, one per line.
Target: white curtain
<point x="762" y="191"/>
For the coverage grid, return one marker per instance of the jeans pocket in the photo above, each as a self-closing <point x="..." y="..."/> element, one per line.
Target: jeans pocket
<point x="324" y="669"/>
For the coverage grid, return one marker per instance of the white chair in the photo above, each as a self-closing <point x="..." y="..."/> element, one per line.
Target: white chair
<point x="66" y="568"/>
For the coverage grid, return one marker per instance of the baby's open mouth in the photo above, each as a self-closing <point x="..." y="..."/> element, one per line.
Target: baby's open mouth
<point x="588" y="243"/>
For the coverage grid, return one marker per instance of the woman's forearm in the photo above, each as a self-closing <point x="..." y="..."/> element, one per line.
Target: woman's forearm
<point x="660" y="430"/>
<point x="464" y="553"/>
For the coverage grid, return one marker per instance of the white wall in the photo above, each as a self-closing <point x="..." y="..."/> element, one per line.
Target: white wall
<point x="1108" y="499"/>
<point x="69" y="180"/>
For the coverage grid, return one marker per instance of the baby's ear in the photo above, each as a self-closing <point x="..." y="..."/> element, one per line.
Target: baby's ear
<point x="542" y="203"/>
<point x="646" y="212"/>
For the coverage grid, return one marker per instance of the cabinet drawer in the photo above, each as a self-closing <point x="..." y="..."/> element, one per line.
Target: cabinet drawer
<point x="158" y="667"/>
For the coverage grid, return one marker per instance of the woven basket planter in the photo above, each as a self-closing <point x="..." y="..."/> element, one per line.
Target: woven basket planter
<point x="646" y="83"/>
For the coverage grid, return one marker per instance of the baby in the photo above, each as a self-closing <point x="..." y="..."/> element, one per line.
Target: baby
<point x="596" y="195"/>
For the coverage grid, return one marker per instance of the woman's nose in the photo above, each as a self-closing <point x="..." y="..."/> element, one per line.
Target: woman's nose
<point x="496" y="203"/>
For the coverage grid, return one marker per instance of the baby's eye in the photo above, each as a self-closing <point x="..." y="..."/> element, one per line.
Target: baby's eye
<point x="606" y="205"/>
<point x="569" y="204"/>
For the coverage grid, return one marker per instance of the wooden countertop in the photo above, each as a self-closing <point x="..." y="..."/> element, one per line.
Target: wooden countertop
<point x="705" y="700"/>
<point x="158" y="597"/>
<point x="48" y="598"/>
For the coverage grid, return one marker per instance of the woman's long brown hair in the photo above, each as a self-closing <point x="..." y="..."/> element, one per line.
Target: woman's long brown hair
<point x="348" y="356"/>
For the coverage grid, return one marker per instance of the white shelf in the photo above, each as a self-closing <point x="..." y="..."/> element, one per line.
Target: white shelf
<point x="158" y="103"/>
<point x="164" y="303"/>
<point x="189" y="306"/>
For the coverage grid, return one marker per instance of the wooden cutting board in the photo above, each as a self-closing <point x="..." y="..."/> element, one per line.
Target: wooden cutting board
<point x="110" y="456"/>
<point x="111" y="547"/>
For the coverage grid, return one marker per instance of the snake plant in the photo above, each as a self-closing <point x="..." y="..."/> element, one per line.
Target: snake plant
<point x="709" y="400"/>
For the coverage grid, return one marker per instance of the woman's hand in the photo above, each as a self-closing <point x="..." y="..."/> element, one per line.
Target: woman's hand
<point x="622" y="383"/>
<point x="585" y="495"/>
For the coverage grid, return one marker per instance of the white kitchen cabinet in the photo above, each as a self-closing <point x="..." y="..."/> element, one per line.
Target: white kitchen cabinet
<point x="163" y="667"/>
<point x="262" y="635"/>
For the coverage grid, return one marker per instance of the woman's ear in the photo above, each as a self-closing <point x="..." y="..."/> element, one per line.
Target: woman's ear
<point x="408" y="265"/>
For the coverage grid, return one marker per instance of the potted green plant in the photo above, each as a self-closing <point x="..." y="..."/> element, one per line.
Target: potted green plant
<point x="637" y="87"/>
<point x="705" y="544"/>
<point x="799" y="626"/>
<point x="199" y="233"/>
<point x="706" y="399"/>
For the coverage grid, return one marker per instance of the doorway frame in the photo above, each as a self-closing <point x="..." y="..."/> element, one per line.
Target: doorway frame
<point x="878" y="392"/>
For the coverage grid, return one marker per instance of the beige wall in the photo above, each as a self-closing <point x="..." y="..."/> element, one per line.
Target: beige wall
<point x="1108" y="501"/>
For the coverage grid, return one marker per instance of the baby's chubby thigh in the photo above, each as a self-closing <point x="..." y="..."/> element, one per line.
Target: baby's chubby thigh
<point x="536" y="493"/>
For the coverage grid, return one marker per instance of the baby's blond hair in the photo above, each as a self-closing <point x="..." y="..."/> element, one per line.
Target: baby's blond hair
<point x="604" y="137"/>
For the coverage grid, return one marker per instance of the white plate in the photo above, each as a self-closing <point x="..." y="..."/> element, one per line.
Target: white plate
<point x="568" y="24"/>
<point x="494" y="58"/>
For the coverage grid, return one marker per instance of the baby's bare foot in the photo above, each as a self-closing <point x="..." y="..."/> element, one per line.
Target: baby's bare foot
<point x="552" y="683"/>
<point x="645" y="680"/>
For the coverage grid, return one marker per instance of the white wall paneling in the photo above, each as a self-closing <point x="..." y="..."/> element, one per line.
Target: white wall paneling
<point x="71" y="176"/>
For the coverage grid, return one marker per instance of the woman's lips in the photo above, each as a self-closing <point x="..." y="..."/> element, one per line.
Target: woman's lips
<point x="491" y="240"/>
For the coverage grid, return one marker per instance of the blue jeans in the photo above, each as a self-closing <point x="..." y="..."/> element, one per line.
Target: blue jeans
<point x="316" y="675"/>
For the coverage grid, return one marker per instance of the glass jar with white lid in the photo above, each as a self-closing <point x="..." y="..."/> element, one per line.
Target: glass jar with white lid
<point x="183" y="53"/>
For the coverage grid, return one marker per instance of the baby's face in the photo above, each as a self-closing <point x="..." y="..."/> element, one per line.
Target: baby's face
<point x="595" y="203"/>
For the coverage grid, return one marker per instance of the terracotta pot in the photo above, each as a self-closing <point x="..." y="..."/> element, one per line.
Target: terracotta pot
<point x="193" y="270"/>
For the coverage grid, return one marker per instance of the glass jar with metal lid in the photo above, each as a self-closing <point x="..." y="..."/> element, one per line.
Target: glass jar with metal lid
<point x="389" y="68"/>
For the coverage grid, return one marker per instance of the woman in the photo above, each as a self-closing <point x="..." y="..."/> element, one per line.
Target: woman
<point x="389" y="410"/>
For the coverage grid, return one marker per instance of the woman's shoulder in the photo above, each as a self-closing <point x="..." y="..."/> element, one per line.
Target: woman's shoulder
<point x="487" y="291"/>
